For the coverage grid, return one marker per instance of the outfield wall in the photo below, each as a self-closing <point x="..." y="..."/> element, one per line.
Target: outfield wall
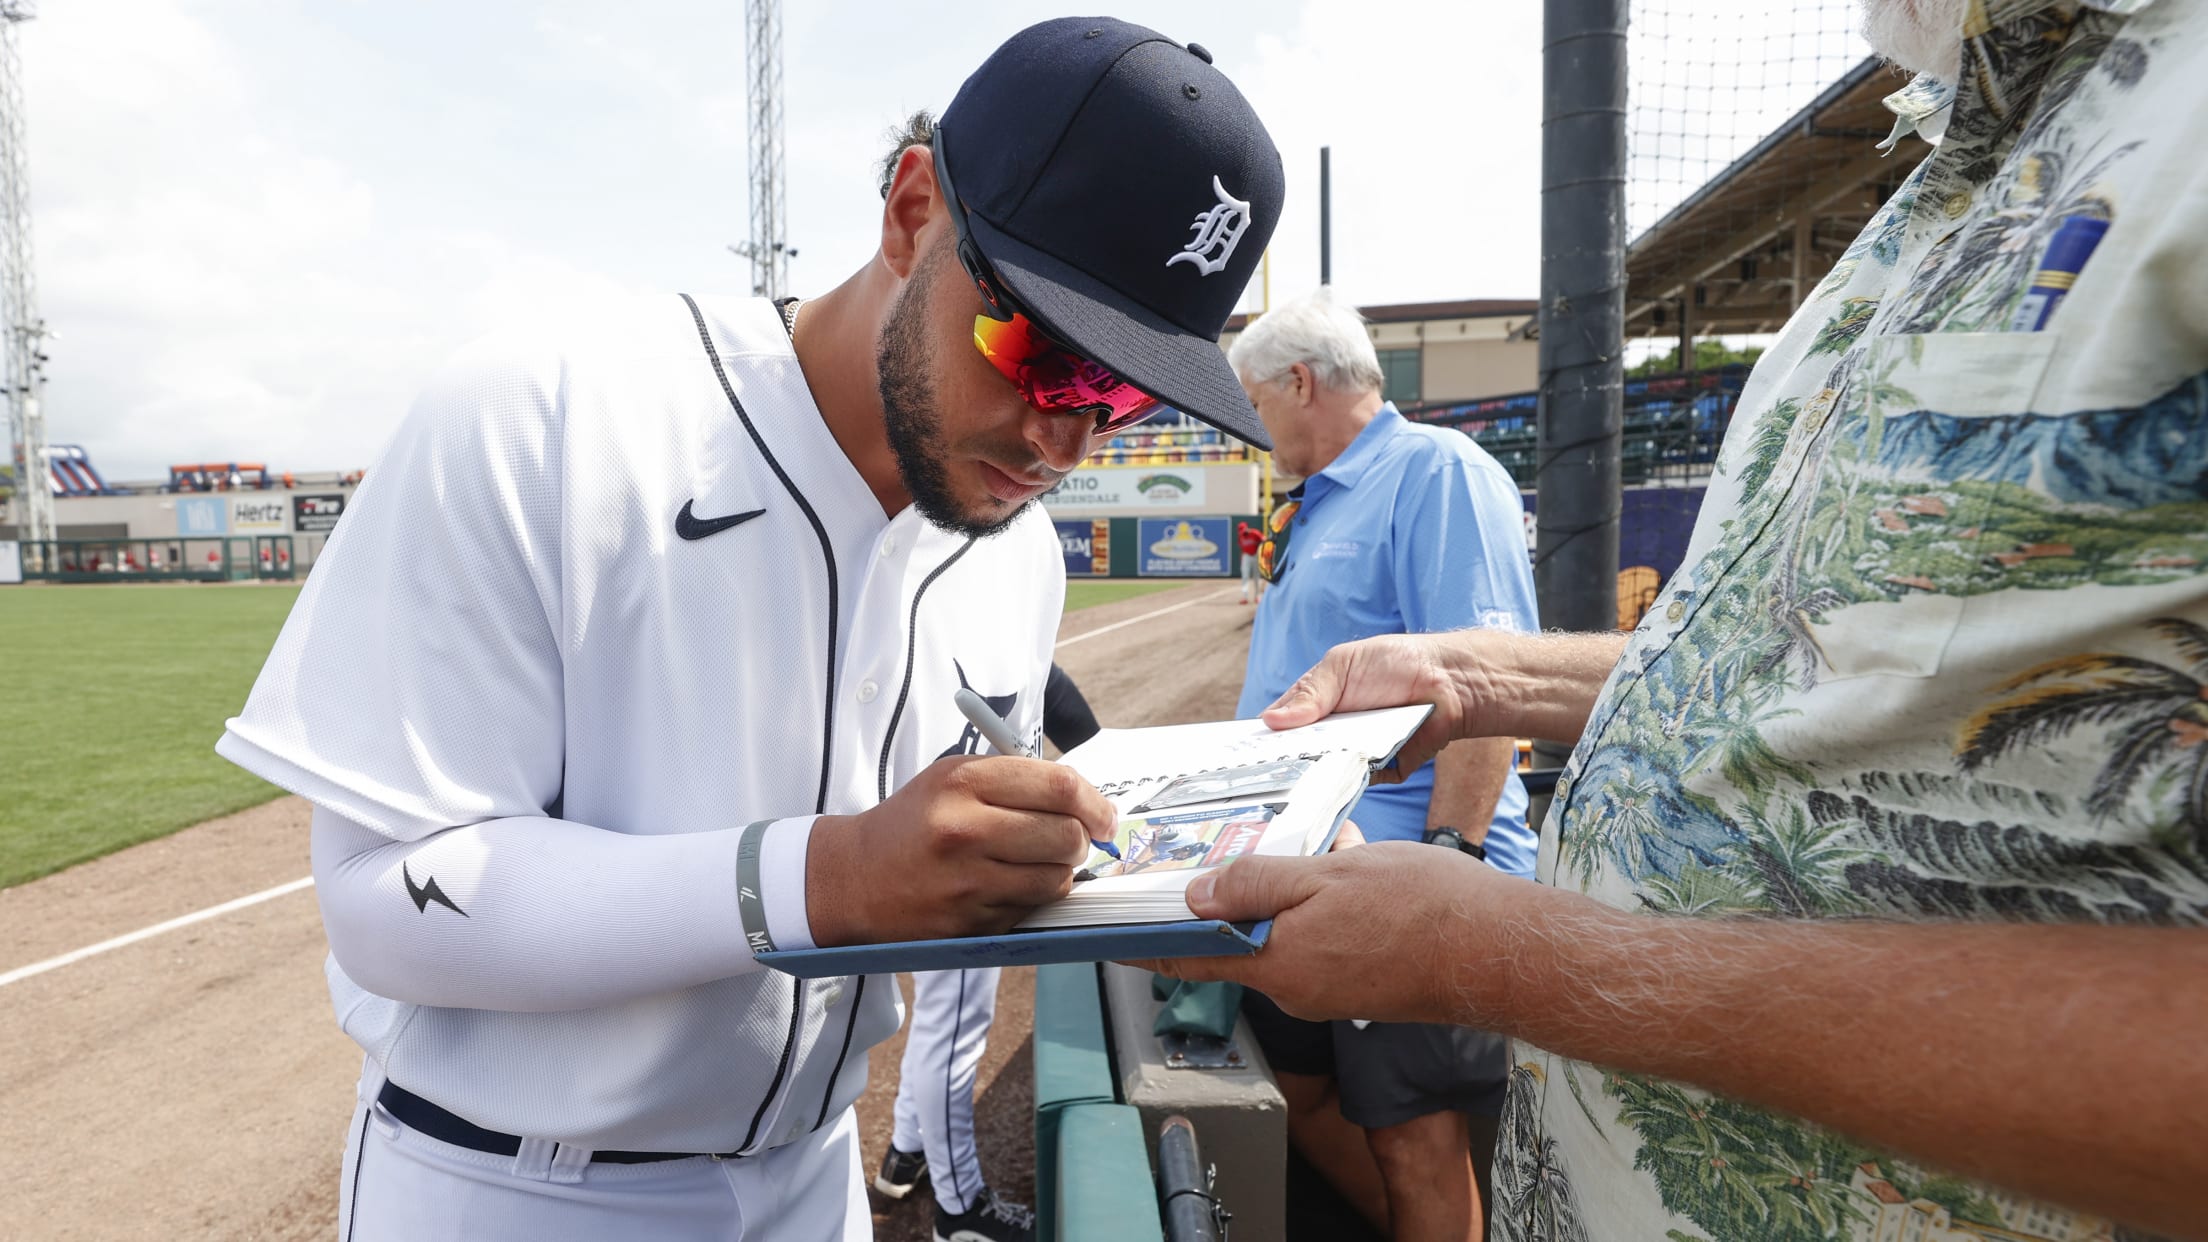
<point x="1200" y="546"/>
<point x="1172" y="520"/>
<point x="306" y="513"/>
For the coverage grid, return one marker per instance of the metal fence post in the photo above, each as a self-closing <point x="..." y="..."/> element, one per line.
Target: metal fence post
<point x="1582" y="346"/>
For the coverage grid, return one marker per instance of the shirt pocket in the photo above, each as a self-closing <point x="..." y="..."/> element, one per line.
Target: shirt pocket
<point x="1893" y="542"/>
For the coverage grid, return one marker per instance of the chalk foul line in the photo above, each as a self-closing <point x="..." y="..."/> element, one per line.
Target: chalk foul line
<point x="1121" y="625"/>
<point x="21" y="973"/>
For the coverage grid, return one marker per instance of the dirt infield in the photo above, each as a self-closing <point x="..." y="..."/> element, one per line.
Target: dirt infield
<point x="194" y="1085"/>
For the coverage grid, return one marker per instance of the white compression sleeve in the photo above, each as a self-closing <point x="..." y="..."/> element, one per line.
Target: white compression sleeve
<point x="533" y="914"/>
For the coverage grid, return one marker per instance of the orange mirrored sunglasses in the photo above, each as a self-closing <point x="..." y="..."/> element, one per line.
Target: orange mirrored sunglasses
<point x="1050" y="377"/>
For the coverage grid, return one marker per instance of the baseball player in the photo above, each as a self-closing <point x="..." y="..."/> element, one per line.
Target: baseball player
<point x="933" y="1133"/>
<point x="635" y="659"/>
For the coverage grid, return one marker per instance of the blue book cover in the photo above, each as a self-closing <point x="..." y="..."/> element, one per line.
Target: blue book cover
<point x="1127" y="942"/>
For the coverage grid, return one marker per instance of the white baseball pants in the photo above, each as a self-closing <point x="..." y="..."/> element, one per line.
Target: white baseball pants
<point x="400" y="1185"/>
<point x="951" y="1013"/>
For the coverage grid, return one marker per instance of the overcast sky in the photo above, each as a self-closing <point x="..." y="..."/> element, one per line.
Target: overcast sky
<point x="259" y="223"/>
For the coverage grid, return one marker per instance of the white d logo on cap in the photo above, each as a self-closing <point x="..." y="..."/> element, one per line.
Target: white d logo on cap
<point x="1219" y="228"/>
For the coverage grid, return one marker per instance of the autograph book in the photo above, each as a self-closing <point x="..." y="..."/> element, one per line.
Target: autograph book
<point x="1189" y="797"/>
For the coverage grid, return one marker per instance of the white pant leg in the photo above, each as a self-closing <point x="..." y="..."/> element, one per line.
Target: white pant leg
<point x="904" y="1115"/>
<point x="951" y="1013"/>
<point x="403" y="1186"/>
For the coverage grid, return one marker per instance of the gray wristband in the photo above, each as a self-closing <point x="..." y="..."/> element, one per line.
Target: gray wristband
<point x="749" y="907"/>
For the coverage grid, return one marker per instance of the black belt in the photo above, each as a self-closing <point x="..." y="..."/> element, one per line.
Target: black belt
<point x="419" y="1114"/>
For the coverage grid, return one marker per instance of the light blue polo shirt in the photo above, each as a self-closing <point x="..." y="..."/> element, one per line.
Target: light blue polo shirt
<point x="1412" y="530"/>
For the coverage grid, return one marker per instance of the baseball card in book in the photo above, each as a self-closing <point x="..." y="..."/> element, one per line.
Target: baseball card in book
<point x="1190" y="798"/>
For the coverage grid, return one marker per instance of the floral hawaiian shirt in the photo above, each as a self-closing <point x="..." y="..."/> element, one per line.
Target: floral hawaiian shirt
<point x="1939" y="647"/>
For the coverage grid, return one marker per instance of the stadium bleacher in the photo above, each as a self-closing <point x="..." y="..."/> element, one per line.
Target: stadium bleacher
<point x="1674" y="424"/>
<point x="1171" y="438"/>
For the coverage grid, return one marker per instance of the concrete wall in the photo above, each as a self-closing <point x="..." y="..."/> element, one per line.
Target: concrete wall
<point x="1468" y="370"/>
<point x="1462" y="359"/>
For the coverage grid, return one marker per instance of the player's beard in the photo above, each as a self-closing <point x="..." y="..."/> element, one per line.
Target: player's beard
<point x="1924" y="36"/>
<point x="908" y="390"/>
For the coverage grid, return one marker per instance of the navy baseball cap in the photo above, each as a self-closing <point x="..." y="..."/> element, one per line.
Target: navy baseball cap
<point x="1124" y="191"/>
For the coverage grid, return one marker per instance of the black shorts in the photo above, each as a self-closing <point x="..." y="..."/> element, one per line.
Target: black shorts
<point x="1388" y="1072"/>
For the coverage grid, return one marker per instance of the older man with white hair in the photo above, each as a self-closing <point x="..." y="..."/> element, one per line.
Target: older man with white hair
<point x="1875" y="891"/>
<point x="1397" y="528"/>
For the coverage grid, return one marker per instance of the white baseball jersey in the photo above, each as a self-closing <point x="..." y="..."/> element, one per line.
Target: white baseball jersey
<point x="613" y="594"/>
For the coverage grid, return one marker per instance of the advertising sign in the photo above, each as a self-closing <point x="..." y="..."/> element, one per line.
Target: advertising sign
<point x="316" y="513"/>
<point x="1116" y="487"/>
<point x="1087" y="546"/>
<point x="11" y="561"/>
<point x="1184" y="547"/>
<point x="199" y="516"/>
<point x="1654" y="525"/>
<point x="255" y="514"/>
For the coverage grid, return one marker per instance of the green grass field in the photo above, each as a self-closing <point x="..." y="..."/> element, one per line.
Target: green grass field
<point x="1080" y="595"/>
<point x="121" y="692"/>
<point x="119" y="695"/>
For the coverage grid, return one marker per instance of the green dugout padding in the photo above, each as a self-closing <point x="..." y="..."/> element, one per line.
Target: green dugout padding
<point x="1125" y="557"/>
<point x="1105" y="1191"/>
<point x="1073" y="1067"/>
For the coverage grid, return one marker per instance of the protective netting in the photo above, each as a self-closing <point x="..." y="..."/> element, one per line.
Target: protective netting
<point x="1706" y="82"/>
<point x="1751" y="135"/>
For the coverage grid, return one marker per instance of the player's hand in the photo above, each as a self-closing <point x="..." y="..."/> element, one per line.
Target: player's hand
<point x="1393" y="931"/>
<point x="969" y="845"/>
<point x="1392" y="671"/>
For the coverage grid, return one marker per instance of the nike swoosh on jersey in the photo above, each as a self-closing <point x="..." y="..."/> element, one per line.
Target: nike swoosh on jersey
<point x="690" y="526"/>
<point x="423" y="894"/>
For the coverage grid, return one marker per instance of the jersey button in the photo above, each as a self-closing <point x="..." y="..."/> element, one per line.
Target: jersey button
<point x="889" y="547"/>
<point x="832" y="995"/>
<point x="867" y="690"/>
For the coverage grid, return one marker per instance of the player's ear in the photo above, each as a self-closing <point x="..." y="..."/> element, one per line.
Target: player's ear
<point x="912" y="202"/>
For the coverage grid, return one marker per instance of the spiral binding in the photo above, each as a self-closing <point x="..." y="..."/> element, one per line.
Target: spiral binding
<point x="1115" y="788"/>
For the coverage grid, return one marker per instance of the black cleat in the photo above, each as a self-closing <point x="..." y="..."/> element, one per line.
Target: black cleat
<point x="901" y="1171"/>
<point x="986" y="1219"/>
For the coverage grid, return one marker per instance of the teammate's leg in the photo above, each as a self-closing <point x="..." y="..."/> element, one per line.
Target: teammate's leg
<point x="905" y="1164"/>
<point x="951" y="1013"/>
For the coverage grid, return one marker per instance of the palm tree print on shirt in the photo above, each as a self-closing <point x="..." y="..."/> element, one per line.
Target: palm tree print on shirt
<point x="2157" y="712"/>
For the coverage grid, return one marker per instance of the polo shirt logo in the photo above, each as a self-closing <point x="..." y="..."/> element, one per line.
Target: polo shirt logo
<point x="1217" y="229"/>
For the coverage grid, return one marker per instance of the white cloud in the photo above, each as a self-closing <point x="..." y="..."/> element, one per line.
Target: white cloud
<point x="261" y="223"/>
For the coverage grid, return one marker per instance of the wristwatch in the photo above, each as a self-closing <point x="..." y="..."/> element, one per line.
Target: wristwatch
<point x="1454" y="839"/>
